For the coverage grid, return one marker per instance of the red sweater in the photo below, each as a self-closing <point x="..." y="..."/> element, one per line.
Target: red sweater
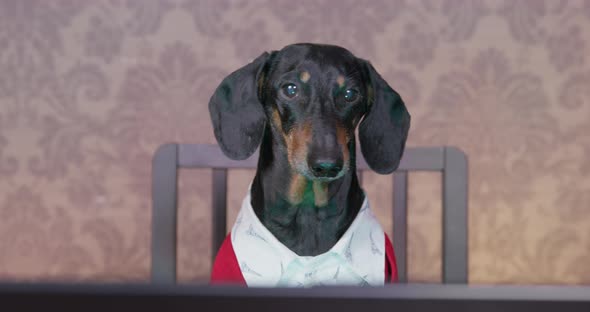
<point x="226" y="269"/>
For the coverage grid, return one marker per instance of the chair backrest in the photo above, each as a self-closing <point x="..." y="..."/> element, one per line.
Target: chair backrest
<point x="450" y="161"/>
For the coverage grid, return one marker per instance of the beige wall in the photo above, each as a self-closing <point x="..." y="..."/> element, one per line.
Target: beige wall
<point x="89" y="89"/>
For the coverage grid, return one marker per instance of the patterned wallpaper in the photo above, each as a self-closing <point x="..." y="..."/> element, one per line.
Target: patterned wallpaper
<point x="89" y="89"/>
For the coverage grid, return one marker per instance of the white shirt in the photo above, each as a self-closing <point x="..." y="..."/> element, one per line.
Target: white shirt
<point x="358" y="258"/>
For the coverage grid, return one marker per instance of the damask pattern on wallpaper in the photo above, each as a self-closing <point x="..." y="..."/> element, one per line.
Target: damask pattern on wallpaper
<point x="88" y="90"/>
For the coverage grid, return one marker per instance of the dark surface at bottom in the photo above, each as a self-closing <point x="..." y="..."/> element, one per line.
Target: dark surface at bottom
<point x="39" y="297"/>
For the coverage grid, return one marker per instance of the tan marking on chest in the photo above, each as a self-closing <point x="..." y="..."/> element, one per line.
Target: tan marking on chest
<point x="320" y="193"/>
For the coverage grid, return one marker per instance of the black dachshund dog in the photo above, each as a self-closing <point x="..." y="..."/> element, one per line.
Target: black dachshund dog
<point x="301" y="105"/>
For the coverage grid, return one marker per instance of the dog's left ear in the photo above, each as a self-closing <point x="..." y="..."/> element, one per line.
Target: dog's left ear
<point x="236" y="110"/>
<point x="384" y="129"/>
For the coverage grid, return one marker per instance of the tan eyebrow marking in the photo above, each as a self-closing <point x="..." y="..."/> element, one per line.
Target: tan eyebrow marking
<point x="305" y="76"/>
<point x="340" y="81"/>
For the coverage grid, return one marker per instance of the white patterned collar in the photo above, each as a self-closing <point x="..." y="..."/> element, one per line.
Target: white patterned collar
<point x="358" y="258"/>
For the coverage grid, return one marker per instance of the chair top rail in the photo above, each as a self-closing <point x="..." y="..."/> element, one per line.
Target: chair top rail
<point x="211" y="156"/>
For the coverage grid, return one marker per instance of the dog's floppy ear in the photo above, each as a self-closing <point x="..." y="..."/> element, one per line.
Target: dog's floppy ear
<point x="384" y="129"/>
<point x="236" y="111"/>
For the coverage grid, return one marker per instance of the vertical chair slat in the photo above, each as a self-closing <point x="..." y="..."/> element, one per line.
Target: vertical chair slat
<point x="400" y="221"/>
<point x="219" y="209"/>
<point x="164" y="192"/>
<point x="455" y="264"/>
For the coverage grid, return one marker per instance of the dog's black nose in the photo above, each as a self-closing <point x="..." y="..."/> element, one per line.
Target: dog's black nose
<point x="325" y="168"/>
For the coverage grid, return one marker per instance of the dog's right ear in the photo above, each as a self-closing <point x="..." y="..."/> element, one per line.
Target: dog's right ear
<point x="236" y="110"/>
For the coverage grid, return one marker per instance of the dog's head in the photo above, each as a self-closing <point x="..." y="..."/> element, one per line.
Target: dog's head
<point x="312" y="97"/>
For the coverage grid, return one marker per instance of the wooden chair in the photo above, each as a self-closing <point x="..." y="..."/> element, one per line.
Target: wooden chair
<point x="451" y="161"/>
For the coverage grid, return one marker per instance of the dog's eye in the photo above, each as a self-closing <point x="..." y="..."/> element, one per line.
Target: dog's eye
<point x="350" y="95"/>
<point x="290" y="90"/>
